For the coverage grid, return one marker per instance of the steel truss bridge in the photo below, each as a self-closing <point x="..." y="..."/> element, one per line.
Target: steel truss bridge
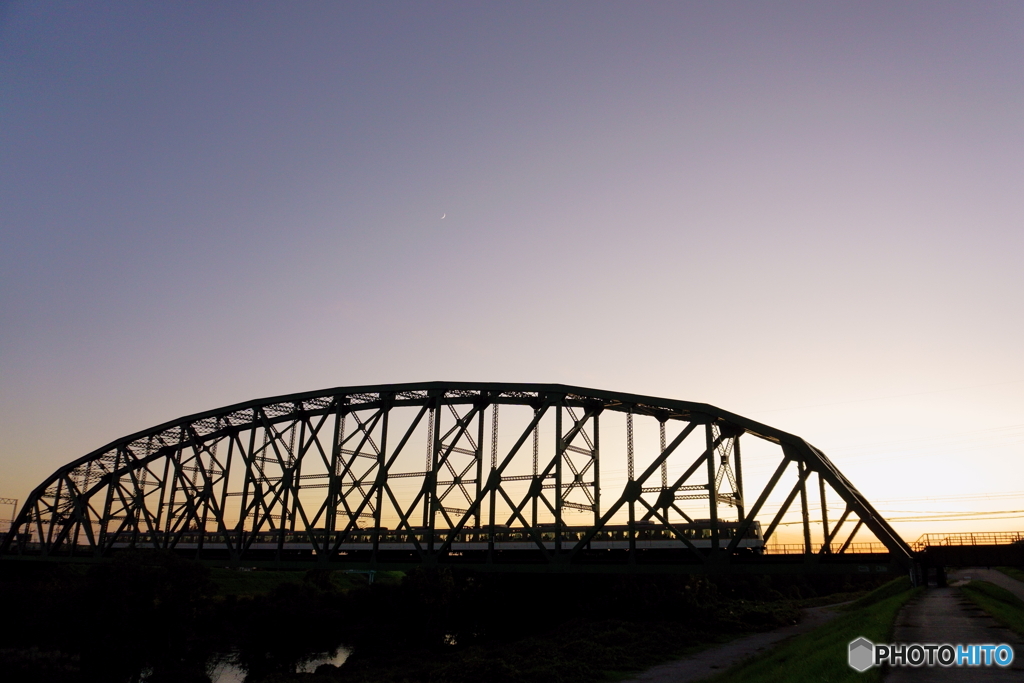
<point x="490" y="476"/>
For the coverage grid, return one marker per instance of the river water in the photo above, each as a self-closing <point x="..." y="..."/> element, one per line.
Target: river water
<point x="225" y="668"/>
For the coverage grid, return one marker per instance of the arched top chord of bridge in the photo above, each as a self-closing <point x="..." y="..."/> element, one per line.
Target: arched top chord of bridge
<point x="536" y="477"/>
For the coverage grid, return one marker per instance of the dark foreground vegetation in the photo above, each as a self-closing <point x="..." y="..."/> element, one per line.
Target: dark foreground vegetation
<point x="821" y="654"/>
<point x="1003" y="605"/>
<point x="154" y="617"/>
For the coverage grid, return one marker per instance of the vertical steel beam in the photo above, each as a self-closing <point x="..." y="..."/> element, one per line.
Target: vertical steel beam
<point x="492" y="513"/>
<point x="108" y="501"/>
<point x="559" y="454"/>
<point x="137" y="507"/>
<point x="664" y="463"/>
<point x="479" y="462"/>
<point x="536" y="456"/>
<point x="297" y="476"/>
<point x="86" y="479"/>
<point x="285" y="485"/>
<point x="334" y="476"/>
<point x="165" y="501"/>
<point x="222" y="522"/>
<point x="709" y="439"/>
<point x="248" y="460"/>
<point x="597" y="467"/>
<point x="432" y="482"/>
<point x="824" y="515"/>
<point x="804" y="517"/>
<point x="54" y="513"/>
<point x="428" y="466"/>
<point x="207" y="495"/>
<point x="631" y="529"/>
<point x="73" y="537"/>
<point x="739" y="476"/>
<point x="381" y="464"/>
<point x="629" y="445"/>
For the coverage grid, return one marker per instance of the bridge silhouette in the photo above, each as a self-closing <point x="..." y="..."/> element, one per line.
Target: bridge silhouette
<point x="488" y="476"/>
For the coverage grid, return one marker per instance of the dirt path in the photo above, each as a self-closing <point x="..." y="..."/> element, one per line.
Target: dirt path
<point x="992" y="576"/>
<point x="712" y="661"/>
<point x="942" y="615"/>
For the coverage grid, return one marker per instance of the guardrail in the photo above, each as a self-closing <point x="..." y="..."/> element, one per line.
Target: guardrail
<point x="798" y="548"/>
<point x="968" y="538"/>
<point x="925" y="541"/>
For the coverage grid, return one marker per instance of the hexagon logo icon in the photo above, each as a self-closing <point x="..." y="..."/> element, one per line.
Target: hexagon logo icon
<point x="862" y="654"/>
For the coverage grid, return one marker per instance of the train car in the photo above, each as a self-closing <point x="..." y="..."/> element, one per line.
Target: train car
<point x="612" y="537"/>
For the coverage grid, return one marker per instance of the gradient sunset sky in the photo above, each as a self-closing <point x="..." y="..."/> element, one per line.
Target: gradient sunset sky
<point x="809" y="214"/>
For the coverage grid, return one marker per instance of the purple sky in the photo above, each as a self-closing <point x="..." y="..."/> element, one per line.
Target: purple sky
<point x="810" y="215"/>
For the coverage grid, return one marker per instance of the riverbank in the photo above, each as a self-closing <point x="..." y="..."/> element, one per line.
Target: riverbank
<point x="156" y="617"/>
<point x="821" y="653"/>
<point x="711" y="661"/>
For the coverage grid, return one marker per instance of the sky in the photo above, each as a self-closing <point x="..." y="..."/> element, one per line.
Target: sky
<point x="807" y="214"/>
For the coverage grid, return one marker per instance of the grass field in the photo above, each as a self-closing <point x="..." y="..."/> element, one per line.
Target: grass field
<point x="820" y="655"/>
<point x="1003" y="605"/>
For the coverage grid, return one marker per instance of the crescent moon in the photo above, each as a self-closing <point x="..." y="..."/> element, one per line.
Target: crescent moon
<point x="443" y="215"/>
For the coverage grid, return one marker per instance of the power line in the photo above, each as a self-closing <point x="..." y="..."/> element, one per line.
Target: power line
<point x="883" y="398"/>
<point x="954" y="519"/>
<point x="963" y="496"/>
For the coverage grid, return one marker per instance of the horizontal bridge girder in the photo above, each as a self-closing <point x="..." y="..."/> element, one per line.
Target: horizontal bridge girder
<point x="877" y="565"/>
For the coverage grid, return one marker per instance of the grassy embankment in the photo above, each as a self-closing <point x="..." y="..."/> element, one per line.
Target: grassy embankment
<point x="1004" y="606"/>
<point x="821" y="654"/>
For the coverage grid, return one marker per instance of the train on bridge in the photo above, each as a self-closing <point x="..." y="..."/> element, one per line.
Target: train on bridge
<point x="516" y="542"/>
<point x="612" y="537"/>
